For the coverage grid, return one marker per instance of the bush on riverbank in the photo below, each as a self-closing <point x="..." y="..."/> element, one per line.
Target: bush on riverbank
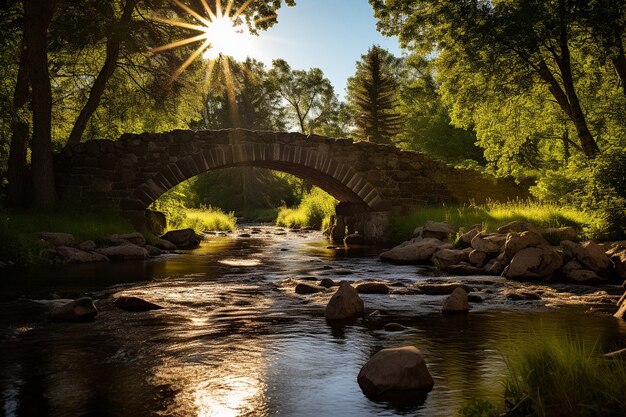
<point x="20" y="243"/>
<point x="493" y="215"/>
<point x="314" y="211"/>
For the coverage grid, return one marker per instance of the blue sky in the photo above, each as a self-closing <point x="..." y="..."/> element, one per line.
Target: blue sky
<point x="328" y="34"/>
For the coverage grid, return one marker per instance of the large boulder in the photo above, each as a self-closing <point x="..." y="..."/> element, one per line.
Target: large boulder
<point x="456" y="302"/>
<point x="590" y="255"/>
<point x="575" y="272"/>
<point x="345" y="304"/>
<point x="124" y="252"/>
<point x="184" y="239"/>
<point x="87" y="246"/>
<point x="437" y="230"/>
<point x="135" y="238"/>
<point x="415" y="251"/>
<point x="393" y="371"/>
<point x="164" y="244"/>
<point x="488" y="242"/>
<point x="477" y="258"/>
<point x="532" y="263"/>
<point x="558" y="234"/>
<point x="515" y="242"/>
<point x="447" y="257"/>
<point x="466" y="238"/>
<point x="81" y="309"/>
<point x="372" y="288"/>
<point x="156" y="222"/>
<point x="76" y="256"/>
<point x="57" y="239"/>
<point x="135" y="304"/>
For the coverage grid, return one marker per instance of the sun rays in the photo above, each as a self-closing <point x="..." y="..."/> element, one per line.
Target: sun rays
<point x="222" y="31"/>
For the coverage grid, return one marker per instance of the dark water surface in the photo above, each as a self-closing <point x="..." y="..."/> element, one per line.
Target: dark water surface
<point x="234" y="339"/>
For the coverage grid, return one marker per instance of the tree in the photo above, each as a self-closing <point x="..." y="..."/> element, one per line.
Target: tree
<point x="373" y="96"/>
<point x="527" y="40"/>
<point x="427" y="125"/>
<point x="309" y="95"/>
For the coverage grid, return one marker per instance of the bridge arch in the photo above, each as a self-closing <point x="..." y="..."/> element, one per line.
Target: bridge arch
<point x="333" y="176"/>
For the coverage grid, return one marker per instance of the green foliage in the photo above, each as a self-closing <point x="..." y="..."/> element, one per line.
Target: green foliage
<point x="18" y="230"/>
<point x="312" y="105"/>
<point x="494" y="215"/>
<point x="428" y="126"/>
<point x="373" y="96"/>
<point x="478" y="408"/>
<point x="559" y="377"/>
<point x="200" y="219"/>
<point x="313" y="211"/>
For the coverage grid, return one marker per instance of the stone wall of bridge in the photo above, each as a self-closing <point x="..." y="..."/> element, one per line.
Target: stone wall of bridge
<point x="133" y="171"/>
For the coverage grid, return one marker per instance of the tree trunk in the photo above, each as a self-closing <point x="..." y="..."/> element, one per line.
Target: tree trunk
<point x="37" y="17"/>
<point x="99" y="85"/>
<point x="619" y="62"/>
<point x="17" y="172"/>
<point x="587" y="142"/>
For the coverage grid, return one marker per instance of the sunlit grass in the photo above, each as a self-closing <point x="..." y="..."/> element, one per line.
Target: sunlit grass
<point x="313" y="211"/>
<point x="493" y="215"/>
<point x="19" y="241"/>
<point x="559" y="377"/>
<point x="205" y="219"/>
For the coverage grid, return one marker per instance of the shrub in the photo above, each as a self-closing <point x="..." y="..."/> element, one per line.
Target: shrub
<point x="314" y="210"/>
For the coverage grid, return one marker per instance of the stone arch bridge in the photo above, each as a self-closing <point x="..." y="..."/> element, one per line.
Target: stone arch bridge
<point x="369" y="180"/>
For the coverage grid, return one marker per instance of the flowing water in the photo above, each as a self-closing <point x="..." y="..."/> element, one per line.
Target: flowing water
<point x="235" y="340"/>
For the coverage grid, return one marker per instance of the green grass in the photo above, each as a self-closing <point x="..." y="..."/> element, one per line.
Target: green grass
<point x="209" y="218"/>
<point x="313" y="211"/>
<point x="18" y="230"/>
<point x="493" y="215"/>
<point x="559" y="377"/>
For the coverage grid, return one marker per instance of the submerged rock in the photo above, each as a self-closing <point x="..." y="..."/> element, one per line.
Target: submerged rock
<point x="81" y="309"/>
<point x="136" y="304"/>
<point x="394" y="327"/>
<point x="344" y="304"/>
<point x="372" y="288"/>
<point x="456" y="302"/>
<point x="303" y="288"/>
<point x="440" y="289"/>
<point x="327" y="283"/>
<point x="395" y="370"/>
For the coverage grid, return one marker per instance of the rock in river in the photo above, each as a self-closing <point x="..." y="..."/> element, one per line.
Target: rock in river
<point x="124" y="252"/>
<point x="456" y="302"/>
<point x="395" y="371"/>
<point x="412" y="252"/>
<point x="185" y="238"/>
<point x="344" y="304"/>
<point x="372" y="288"/>
<point x="81" y="309"/>
<point x="303" y="288"/>
<point x="57" y="239"/>
<point x="77" y="256"/>
<point x="135" y="304"/>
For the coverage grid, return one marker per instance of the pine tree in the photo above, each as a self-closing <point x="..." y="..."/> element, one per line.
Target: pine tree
<point x="373" y="96"/>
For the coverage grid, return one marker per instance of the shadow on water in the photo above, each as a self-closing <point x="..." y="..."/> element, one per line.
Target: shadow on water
<point x="234" y="339"/>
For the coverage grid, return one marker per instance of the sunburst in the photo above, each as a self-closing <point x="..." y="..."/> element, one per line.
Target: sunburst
<point x="221" y="32"/>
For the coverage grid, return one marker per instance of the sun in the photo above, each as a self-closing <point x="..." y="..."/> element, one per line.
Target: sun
<point x="221" y="31"/>
<point x="227" y="39"/>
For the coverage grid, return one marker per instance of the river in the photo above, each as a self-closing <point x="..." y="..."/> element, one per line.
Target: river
<point x="235" y="340"/>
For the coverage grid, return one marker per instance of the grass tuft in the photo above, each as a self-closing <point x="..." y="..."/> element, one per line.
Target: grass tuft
<point x="559" y="377"/>
<point x="209" y="218"/>
<point x="314" y="211"/>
